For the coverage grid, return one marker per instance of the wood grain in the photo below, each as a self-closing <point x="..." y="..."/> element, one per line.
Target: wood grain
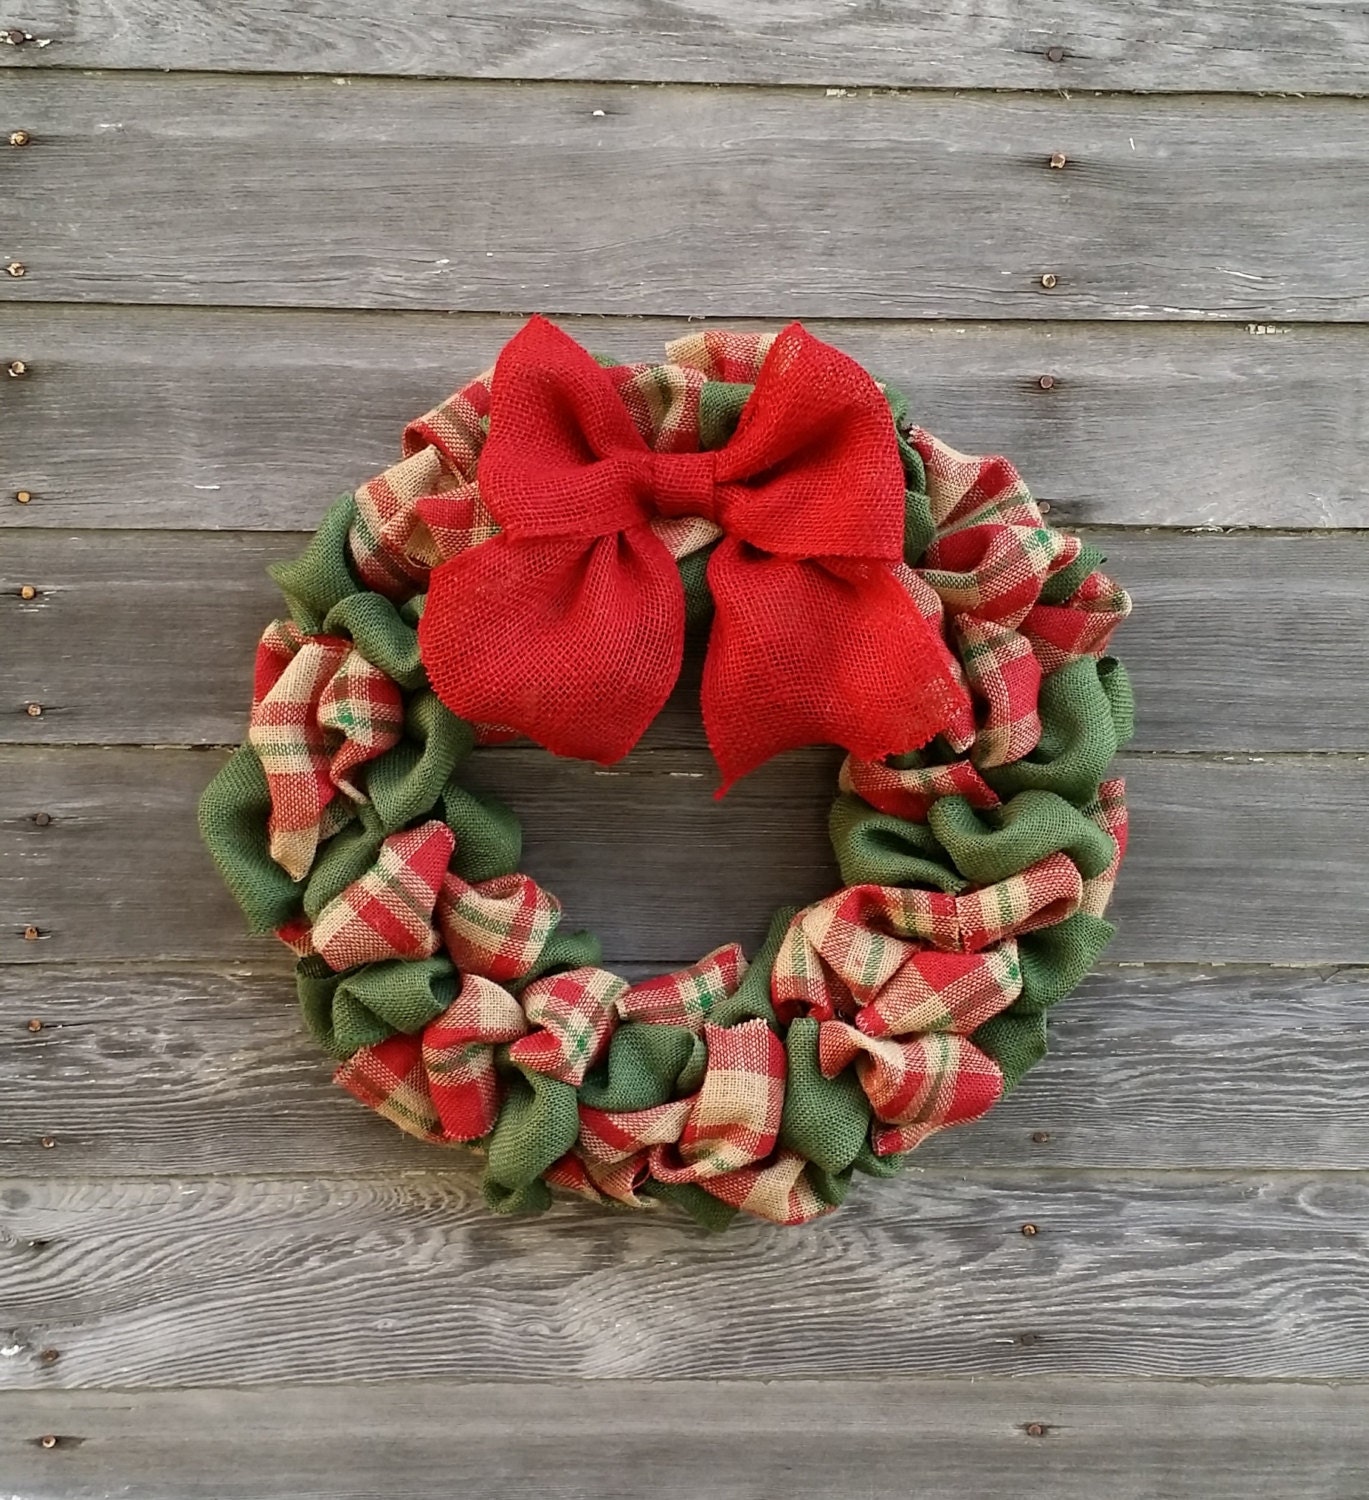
<point x="1128" y="1439"/>
<point x="1310" y="46"/>
<point x="148" y="1071"/>
<point x="148" y="638"/>
<point x="1238" y="860"/>
<point x="253" y="418"/>
<point x="685" y="201"/>
<point x="204" y="1281"/>
<point x="240" y="283"/>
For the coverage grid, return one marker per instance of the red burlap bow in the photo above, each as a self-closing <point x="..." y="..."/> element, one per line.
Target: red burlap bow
<point x="569" y="624"/>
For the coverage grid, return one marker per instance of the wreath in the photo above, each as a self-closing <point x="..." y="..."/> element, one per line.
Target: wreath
<point x="530" y="567"/>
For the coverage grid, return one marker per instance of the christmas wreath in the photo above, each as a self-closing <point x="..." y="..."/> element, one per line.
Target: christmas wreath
<point x="530" y="568"/>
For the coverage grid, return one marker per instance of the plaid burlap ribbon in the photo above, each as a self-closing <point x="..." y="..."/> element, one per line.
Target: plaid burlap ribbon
<point x="736" y="1117"/>
<point x="388" y="912"/>
<point x="440" y="1084"/>
<point x="320" y="710"/>
<point x="686" y="997"/>
<point x="574" y="1015"/>
<point x="498" y="927"/>
<point x="721" y="1139"/>
<point x="910" y="791"/>
<point x="1109" y="810"/>
<point x="915" y="1087"/>
<point x="916" y="956"/>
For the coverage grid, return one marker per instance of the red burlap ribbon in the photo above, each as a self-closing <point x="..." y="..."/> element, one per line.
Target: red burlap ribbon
<point x="569" y="625"/>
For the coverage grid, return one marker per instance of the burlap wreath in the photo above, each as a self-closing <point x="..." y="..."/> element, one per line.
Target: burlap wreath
<point x="976" y="869"/>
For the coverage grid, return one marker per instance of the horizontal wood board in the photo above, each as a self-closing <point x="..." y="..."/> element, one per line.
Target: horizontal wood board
<point x="1218" y="845"/>
<point x="201" y="188"/>
<point x="141" y="1071"/>
<point x="136" y="637"/>
<point x="254" y="418"/>
<point x="1308" y="46"/>
<point x="215" y="1280"/>
<point x="1069" y="1439"/>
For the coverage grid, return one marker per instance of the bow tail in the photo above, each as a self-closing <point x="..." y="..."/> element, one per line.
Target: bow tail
<point x="574" y="643"/>
<point x="818" y="651"/>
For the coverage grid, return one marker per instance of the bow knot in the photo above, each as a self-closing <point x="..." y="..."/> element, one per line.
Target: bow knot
<point x="569" y="624"/>
<point x="685" y="484"/>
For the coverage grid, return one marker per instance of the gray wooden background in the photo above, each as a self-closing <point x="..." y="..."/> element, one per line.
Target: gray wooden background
<point x="257" y="238"/>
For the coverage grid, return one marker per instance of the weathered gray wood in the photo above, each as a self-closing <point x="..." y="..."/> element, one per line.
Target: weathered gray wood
<point x="200" y="417"/>
<point x="1237" y="643"/>
<point x="125" y="875"/>
<point x="203" y="1281"/>
<point x="621" y="1440"/>
<point x="1233" y="639"/>
<point x="1308" y="46"/>
<point x="576" y="198"/>
<point x="173" y="1071"/>
<point x="134" y="637"/>
<point x="1235" y="860"/>
<point x="212" y="1211"/>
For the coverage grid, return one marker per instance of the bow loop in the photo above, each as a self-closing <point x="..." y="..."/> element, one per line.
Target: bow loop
<point x="560" y="459"/>
<point x="813" y="467"/>
<point x="569" y="625"/>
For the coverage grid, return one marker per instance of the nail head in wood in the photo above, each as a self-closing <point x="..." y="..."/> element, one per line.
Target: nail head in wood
<point x="48" y="1440"/>
<point x="1055" y="54"/>
<point x="1058" y="160"/>
<point x="16" y="268"/>
<point x="35" y="1024"/>
<point x="42" y="819"/>
<point x="1035" y="1429"/>
<point x="15" y="37"/>
<point x="1049" y="280"/>
<point x="47" y="1143"/>
<point x="16" y="369"/>
<point x="34" y="710"/>
<point x="1040" y="1137"/>
<point x="1029" y="1230"/>
<point x="1046" y="382"/>
<point x="50" y="1356"/>
<point x="28" y="592"/>
<point x="22" y="497"/>
<point x="31" y="934"/>
<point x="20" y="137"/>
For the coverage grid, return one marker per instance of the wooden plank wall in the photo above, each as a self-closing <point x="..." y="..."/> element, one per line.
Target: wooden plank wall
<point x="253" y="242"/>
